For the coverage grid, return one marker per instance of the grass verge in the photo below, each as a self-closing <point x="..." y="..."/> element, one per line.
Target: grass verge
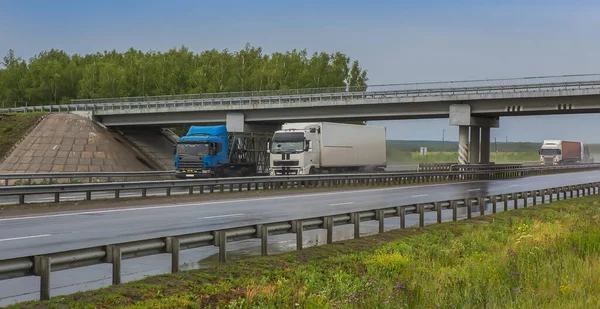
<point x="540" y="257"/>
<point x="13" y="127"/>
<point x="406" y="157"/>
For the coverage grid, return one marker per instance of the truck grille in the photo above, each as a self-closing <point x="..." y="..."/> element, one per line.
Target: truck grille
<point x="285" y="163"/>
<point x="188" y="164"/>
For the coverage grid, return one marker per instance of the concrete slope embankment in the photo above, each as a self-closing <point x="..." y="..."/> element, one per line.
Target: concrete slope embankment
<point x="71" y="143"/>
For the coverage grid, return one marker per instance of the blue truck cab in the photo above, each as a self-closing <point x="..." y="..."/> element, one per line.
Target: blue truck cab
<point x="211" y="151"/>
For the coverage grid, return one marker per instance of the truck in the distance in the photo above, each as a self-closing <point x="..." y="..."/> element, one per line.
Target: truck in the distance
<point x="325" y="147"/>
<point x="559" y="152"/>
<point x="211" y="151"/>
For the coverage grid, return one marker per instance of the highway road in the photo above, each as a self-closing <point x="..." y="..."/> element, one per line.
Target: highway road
<point x="45" y="233"/>
<point x="48" y="198"/>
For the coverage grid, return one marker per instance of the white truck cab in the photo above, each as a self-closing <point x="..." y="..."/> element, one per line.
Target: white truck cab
<point x="294" y="150"/>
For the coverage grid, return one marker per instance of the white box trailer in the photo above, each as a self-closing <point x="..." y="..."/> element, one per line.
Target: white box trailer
<point x="325" y="147"/>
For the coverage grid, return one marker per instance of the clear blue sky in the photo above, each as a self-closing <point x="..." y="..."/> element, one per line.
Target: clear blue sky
<point x="396" y="41"/>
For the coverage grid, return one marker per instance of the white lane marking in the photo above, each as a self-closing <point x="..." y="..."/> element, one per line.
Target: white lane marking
<point x="221" y="216"/>
<point x="513" y="185"/>
<point x="420" y="195"/>
<point x="339" y="204"/>
<point x="25" y="237"/>
<point x="471" y="190"/>
<point x="232" y="201"/>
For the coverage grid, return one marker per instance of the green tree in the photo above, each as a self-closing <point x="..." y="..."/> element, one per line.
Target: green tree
<point x="54" y="76"/>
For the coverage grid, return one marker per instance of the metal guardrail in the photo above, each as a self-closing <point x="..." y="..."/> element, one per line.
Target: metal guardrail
<point x="282" y="182"/>
<point x="90" y="177"/>
<point x="429" y="167"/>
<point x="43" y="265"/>
<point x="95" y="177"/>
<point x="527" y="84"/>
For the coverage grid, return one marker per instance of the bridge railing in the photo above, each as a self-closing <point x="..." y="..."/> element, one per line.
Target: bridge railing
<point x="331" y="93"/>
<point x="42" y="265"/>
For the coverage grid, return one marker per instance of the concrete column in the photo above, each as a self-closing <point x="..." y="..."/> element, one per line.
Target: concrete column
<point x="485" y="146"/>
<point x="474" y="146"/>
<point x="463" y="142"/>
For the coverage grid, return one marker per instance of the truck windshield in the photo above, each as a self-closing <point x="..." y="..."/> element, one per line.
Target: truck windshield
<point x="550" y="152"/>
<point x="192" y="149"/>
<point x="287" y="142"/>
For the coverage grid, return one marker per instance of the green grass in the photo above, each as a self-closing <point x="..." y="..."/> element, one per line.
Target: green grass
<point x="13" y="127"/>
<point x="540" y="257"/>
<point x="396" y="156"/>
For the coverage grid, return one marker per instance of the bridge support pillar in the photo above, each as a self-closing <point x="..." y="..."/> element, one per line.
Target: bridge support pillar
<point x="463" y="144"/>
<point x="474" y="145"/>
<point x="235" y="122"/>
<point x="479" y="149"/>
<point x="485" y="146"/>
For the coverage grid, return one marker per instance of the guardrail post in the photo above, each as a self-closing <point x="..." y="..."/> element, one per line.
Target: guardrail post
<point x="116" y="265"/>
<point x="174" y="248"/>
<point x="505" y="200"/>
<point x="41" y="267"/>
<point x="144" y="191"/>
<point x="578" y="190"/>
<point x="381" y="218"/>
<point x="543" y="194"/>
<point x="481" y="203"/>
<point x="571" y="189"/>
<point x="117" y="193"/>
<point x="264" y="238"/>
<point x="564" y="192"/>
<point x="438" y="209"/>
<point x="421" y="208"/>
<point x="57" y="197"/>
<point x="534" y="195"/>
<point x="525" y="198"/>
<point x="515" y="197"/>
<point x="494" y="200"/>
<point x="168" y="192"/>
<point x="454" y="206"/>
<point x="401" y="213"/>
<point x="551" y="194"/>
<point x="329" y="226"/>
<point x="467" y="203"/>
<point x="356" y="221"/>
<point x="299" y="230"/>
<point x="222" y="246"/>
<point x="21" y="198"/>
<point x="589" y="189"/>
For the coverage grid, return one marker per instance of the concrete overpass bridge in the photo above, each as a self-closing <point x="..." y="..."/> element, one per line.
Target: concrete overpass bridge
<point x="474" y="106"/>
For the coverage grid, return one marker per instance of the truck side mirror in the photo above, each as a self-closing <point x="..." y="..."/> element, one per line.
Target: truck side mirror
<point x="174" y="149"/>
<point x="268" y="147"/>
